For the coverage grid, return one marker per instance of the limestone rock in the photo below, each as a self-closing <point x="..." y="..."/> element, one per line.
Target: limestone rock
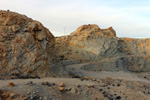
<point x="26" y="47"/>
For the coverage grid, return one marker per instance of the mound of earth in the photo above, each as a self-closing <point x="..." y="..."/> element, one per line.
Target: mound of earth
<point x="27" y="48"/>
<point x="103" y="50"/>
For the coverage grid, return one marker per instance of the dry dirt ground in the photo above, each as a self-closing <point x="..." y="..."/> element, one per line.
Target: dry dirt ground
<point x="84" y="85"/>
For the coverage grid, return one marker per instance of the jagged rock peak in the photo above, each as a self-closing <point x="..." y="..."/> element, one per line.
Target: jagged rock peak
<point x="93" y="29"/>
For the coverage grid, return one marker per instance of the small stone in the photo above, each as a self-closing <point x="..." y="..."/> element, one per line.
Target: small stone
<point x="113" y="85"/>
<point x="100" y="89"/>
<point x="90" y="85"/>
<point x="73" y="90"/>
<point x="104" y="92"/>
<point x="12" y="95"/>
<point x="60" y="88"/>
<point x="87" y="78"/>
<point x="45" y="98"/>
<point x="28" y="93"/>
<point x="62" y="84"/>
<point x="97" y="80"/>
<point x="11" y="84"/>
<point x="68" y="89"/>
<point x="108" y="87"/>
<point x="94" y="79"/>
<point x="118" y="97"/>
<point x="82" y="79"/>
<point x="118" y="84"/>
<point x="77" y="85"/>
<point x="30" y="83"/>
<point x="34" y="92"/>
<point x="40" y="98"/>
<point x="31" y="97"/>
<point x="46" y="83"/>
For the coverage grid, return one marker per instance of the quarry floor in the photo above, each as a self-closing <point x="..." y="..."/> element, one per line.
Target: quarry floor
<point x="85" y="85"/>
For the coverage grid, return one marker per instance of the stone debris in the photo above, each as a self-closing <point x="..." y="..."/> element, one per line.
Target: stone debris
<point x="60" y="88"/>
<point x="61" y="84"/>
<point x="46" y="83"/>
<point x="11" y="84"/>
<point x="90" y="85"/>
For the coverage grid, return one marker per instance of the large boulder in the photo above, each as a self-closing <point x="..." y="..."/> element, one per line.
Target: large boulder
<point x="26" y="48"/>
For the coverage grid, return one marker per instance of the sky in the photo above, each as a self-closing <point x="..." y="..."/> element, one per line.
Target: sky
<point x="129" y="18"/>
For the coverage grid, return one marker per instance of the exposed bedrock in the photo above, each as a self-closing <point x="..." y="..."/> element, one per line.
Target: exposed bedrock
<point x="102" y="48"/>
<point x="27" y="48"/>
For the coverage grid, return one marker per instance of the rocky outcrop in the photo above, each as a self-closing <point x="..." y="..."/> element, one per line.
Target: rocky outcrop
<point x="104" y="50"/>
<point x="92" y="30"/>
<point x="26" y="48"/>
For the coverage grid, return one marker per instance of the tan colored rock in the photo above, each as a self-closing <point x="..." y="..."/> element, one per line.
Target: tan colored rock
<point x="77" y="85"/>
<point x="26" y="47"/>
<point x="93" y="29"/>
<point x="60" y="88"/>
<point x="90" y="85"/>
<point x="87" y="78"/>
<point x="11" y="84"/>
<point x="61" y="84"/>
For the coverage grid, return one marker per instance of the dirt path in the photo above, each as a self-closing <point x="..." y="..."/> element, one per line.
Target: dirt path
<point x="67" y="81"/>
<point x="104" y="74"/>
<point x="71" y="81"/>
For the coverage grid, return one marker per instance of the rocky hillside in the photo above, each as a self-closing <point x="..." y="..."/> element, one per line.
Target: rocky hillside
<point x="26" y="48"/>
<point x="104" y="50"/>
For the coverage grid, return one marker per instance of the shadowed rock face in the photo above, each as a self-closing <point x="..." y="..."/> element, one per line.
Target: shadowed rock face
<point x="26" y="47"/>
<point x="104" y="50"/>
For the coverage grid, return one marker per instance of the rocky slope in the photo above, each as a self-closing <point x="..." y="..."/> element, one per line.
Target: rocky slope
<point x="105" y="69"/>
<point x="26" y="48"/>
<point x="104" y="50"/>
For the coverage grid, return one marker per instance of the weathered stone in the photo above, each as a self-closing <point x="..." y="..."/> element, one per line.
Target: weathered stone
<point x="60" y="88"/>
<point x="104" y="50"/>
<point x="11" y="84"/>
<point x="26" y="48"/>
<point x="61" y="84"/>
<point x="90" y="85"/>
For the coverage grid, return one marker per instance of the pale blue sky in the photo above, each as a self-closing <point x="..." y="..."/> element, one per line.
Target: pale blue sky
<point x="130" y="18"/>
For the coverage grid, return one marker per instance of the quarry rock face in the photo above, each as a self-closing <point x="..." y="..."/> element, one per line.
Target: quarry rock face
<point x="103" y="50"/>
<point x="26" y="47"/>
